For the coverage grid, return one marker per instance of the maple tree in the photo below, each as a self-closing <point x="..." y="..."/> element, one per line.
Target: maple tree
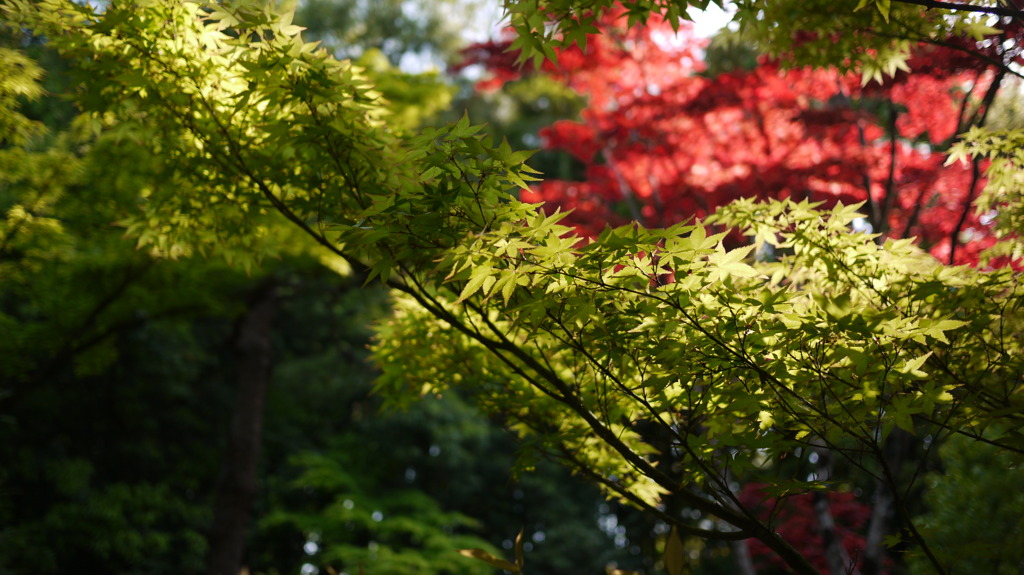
<point x="659" y="143"/>
<point x="668" y="394"/>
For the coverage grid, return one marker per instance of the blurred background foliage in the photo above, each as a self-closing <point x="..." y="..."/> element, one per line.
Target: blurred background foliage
<point x="427" y="31"/>
<point x="978" y="487"/>
<point x="118" y="369"/>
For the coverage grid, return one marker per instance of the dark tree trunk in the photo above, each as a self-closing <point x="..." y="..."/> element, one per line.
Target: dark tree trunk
<point x="238" y="480"/>
<point x="881" y="515"/>
<point x="896" y="451"/>
<point x="836" y="555"/>
<point x="742" y="561"/>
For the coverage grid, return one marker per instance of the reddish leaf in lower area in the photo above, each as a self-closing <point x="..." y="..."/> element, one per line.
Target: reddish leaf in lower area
<point x="795" y="518"/>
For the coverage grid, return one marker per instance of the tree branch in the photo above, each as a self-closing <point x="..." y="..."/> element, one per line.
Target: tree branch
<point x="964" y="7"/>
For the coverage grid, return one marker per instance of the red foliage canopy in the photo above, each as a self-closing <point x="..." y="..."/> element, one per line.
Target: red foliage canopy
<point x="660" y="143"/>
<point x="795" y="518"/>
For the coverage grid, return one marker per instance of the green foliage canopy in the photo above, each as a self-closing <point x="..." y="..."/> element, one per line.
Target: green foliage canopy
<point x="873" y="37"/>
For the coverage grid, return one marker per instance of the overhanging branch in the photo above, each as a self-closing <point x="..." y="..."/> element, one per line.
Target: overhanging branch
<point x="964" y="7"/>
